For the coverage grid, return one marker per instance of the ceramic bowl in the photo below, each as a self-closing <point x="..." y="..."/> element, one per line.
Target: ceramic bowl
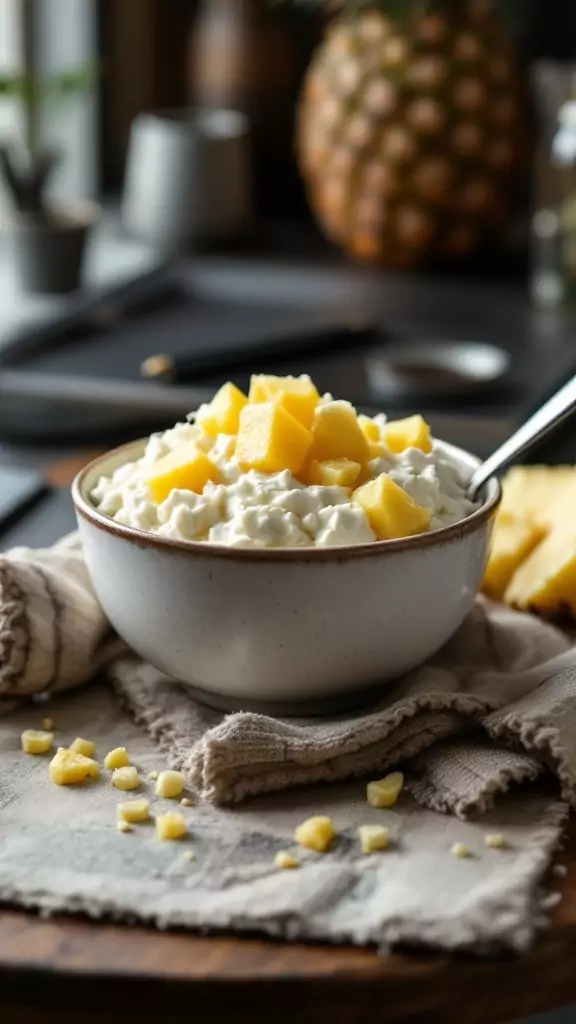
<point x="288" y="629"/>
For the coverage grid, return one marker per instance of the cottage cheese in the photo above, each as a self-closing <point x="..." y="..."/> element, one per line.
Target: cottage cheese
<point x="259" y="510"/>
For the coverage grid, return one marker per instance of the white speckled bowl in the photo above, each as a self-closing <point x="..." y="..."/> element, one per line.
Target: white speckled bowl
<point x="282" y="630"/>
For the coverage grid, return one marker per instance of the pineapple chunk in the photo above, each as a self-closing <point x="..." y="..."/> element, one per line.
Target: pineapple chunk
<point x="461" y="850"/>
<point x="285" y="861"/>
<point x="133" y="810"/>
<point x="47" y="724"/>
<point x="85" y="747"/>
<point x="372" y="838"/>
<point x="316" y="833"/>
<point x="539" y="493"/>
<point x="337" y="434"/>
<point x="546" y="581"/>
<point x="171" y="825"/>
<point x="117" y="758"/>
<point x="342" y="472"/>
<point x="298" y="395"/>
<point x="412" y="432"/>
<point x="67" y="768"/>
<point x="222" y="415"/>
<point x="385" y="792"/>
<point x="391" y="512"/>
<point x="125" y="778"/>
<point x="34" y="741"/>
<point x="495" y="841"/>
<point x="270" y="439"/>
<point x="369" y="428"/>
<point x="186" y="468"/>
<point x="170" y="785"/>
<point x="514" y="539"/>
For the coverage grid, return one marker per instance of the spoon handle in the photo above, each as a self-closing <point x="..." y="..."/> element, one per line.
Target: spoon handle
<point x="556" y="409"/>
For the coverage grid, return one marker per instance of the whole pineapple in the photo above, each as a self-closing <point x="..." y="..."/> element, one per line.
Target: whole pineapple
<point x="411" y="129"/>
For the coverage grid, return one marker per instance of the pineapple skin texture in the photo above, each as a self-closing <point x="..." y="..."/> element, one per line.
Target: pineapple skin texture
<point x="411" y="134"/>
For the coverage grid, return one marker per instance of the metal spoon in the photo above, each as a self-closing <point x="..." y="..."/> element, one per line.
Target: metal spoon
<point x="549" y="416"/>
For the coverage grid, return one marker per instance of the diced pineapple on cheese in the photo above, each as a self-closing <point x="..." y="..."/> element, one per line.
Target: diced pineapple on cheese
<point x="35" y="741"/>
<point x="298" y="395"/>
<point x="337" y="434"/>
<point x="412" y="432"/>
<point x="222" y="414"/>
<point x="539" y="493"/>
<point x="270" y="439"/>
<point x="67" y="768"/>
<point x="185" y="468"/>
<point x="391" y="512"/>
<point x="373" y="838"/>
<point x="514" y="538"/>
<point x="117" y="758"/>
<point x="171" y="825"/>
<point x="133" y="810"/>
<point x="81" y="746"/>
<point x="316" y="833"/>
<point x="385" y="792"/>
<point x="369" y="428"/>
<point x="170" y="785"/>
<point x="126" y="778"/>
<point x="546" y="580"/>
<point x="378" y="450"/>
<point x="341" y="472"/>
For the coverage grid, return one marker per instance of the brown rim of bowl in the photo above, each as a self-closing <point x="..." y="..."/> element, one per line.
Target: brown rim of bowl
<point x="333" y="554"/>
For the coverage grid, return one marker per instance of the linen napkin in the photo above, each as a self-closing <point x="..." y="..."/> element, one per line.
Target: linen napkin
<point x="496" y="707"/>
<point x="508" y="675"/>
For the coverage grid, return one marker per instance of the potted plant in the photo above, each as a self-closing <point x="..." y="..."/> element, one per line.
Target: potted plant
<point x="47" y="242"/>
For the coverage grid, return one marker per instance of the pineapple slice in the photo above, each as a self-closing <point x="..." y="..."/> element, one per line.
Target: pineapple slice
<point x="546" y="581"/>
<point x="514" y="539"/>
<point x="222" y="415"/>
<point x="298" y="395"/>
<point x="391" y="512"/>
<point x="412" y="432"/>
<point x="186" y="467"/>
<point x="337" y="434"/>
<point x="342" y="472"/>
<point x="270" y="439"/>
<point x="539" y="493"/>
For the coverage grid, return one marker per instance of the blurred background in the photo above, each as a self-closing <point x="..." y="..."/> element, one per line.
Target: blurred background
<point x="220" y="180"/>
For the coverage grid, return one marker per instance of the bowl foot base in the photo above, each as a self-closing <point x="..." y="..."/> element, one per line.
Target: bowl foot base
<point x="313" y="707"/>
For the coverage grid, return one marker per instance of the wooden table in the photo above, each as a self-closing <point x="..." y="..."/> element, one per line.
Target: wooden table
<point x="69" y="970"/>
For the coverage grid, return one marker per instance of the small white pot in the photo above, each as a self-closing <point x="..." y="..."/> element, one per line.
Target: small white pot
<point x="282" y="629"/>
